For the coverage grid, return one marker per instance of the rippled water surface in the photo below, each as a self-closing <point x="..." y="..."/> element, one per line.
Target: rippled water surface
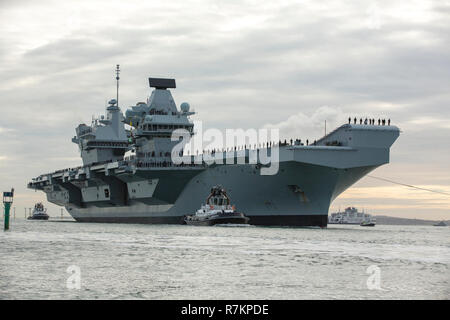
<point x="126" y="261"/>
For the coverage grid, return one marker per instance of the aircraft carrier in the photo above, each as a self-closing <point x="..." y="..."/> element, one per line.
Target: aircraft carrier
<point x="149" y="187"/>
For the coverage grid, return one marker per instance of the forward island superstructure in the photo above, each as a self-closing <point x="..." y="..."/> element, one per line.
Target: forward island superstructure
<point x="149" y="187"/>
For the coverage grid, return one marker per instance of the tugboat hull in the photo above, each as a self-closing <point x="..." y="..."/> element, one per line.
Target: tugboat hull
<point x="235" y="218"/>
<point x="40" y="217"/>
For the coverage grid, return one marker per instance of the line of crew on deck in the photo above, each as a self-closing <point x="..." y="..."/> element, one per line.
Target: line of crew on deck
<point x="381" y="122"/>
<point x="258" y="146"/>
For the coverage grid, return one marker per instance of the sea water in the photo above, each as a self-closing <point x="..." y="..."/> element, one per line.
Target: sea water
<point x="70" y="260"/>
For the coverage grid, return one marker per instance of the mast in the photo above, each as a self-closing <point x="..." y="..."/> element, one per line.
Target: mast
<point x="117" y="80"/>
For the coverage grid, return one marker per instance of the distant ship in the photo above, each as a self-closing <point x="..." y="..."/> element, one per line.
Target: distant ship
<point x="39" y="212"/>
<point x="148" y="187"/>
<point x="351" y="215"/>
<point x="216" y="210"/>
<point x="440" y="224"/>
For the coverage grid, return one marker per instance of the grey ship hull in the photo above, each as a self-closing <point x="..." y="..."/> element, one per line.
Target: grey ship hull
<point x="266" y="200"/>
<point x="308" y="180"/>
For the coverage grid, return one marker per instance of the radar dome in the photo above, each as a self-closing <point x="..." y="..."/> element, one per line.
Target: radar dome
<point x="185" y="107"/>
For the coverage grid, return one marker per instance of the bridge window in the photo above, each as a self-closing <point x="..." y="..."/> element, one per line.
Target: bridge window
<point x="106" y="193"/>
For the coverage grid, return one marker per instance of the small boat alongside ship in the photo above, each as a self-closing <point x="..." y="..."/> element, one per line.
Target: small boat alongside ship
<point x="367" y="224"/>
<point x="39" y="212"/>
<point x="216" y="210"/>
<point x="351" y="215"/>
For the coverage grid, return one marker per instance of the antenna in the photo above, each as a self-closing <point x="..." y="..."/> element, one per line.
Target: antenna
<point x="117" y="79"/>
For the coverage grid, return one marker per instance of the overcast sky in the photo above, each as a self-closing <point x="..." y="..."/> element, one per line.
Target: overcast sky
<point x="240" y="64"/>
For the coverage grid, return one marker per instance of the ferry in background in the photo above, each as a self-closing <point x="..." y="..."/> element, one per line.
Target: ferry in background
<point x="351" y="215"/>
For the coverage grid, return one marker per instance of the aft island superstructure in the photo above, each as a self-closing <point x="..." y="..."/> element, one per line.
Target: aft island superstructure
<point x="149" y="187"/>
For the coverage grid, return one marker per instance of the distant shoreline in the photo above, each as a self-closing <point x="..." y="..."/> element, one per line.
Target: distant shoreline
<point x="405" y="221"/>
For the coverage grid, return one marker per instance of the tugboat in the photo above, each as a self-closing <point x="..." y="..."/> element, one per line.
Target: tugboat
<point x="367" y="224"/>
<point x="39" y="212"/>
<point x="216" y="210"/>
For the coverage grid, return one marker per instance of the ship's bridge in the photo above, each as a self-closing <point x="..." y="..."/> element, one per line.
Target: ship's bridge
<point x="160" y="113"/>
<point x="154" y="125"/>
<point x="154" y="122"/>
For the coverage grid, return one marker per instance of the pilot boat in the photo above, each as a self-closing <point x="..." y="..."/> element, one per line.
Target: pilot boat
<point x="39" y="212"/>
<point x="216" y="210"/>
<point x="367" y="224"/>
